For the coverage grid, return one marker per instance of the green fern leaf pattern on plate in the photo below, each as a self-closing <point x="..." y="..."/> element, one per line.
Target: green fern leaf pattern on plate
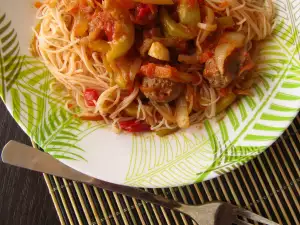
<point x="42" y="115"/>
<point x="10" y="61"/>
<point x="25" y="82"/>
<point x="155" y="161"/>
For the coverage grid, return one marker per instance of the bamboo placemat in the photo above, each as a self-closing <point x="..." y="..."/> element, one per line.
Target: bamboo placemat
<point x="267" y="185"/>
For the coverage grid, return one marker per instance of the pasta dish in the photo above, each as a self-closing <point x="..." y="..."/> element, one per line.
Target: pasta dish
<point x="150" y="65"/>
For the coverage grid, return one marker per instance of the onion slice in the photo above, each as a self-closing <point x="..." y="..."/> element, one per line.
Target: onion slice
<point x="163" y="111"/>
<point x="222" y="51"/>
<point x="135" y="68"/>
<point x="207" y="27"/>
<point x="182" y="114"/>
<point x="235" y="38"/>
<point x="209" y="19"/>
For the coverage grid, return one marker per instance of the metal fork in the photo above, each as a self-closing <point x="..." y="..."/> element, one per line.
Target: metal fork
<point x="213" y="213"/>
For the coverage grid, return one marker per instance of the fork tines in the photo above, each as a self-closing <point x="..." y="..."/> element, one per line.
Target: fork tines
<point x="250" y="215"/>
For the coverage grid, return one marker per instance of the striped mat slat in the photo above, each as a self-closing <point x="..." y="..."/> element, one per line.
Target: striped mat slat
<point x="267" y="185"/>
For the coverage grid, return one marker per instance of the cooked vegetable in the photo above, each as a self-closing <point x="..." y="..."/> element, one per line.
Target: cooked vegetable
<point x="81" y="26"/>
<point x="207" y="27"/>
<point x="173" y="29"/>
<point x="164" y="111"/>
<point x="209" y="19"/>
<point x="224" y="102"/>
<point x="171" y="42"/>
<point x="145" y="46"/>
<point x="134" y="69"/>
<point x="99" y="46"/>
<point x="246" y="92"/>
<point x="120" y="80"/>
<point x="189" y="12"/>
<point x="189" y="97"/>
<point x="182" y="115"/>
<point x="37" y="4"/>
<point x="159" y="51"/>
<point x="134" y="126"/>
<point x="168" y="72"/>
<point x="123" y="31"/>
<point x="222" y="51"/>
<point x="144" y="14"/>
<point x="124" y="71"/>
<point x="165" y="132"/>
<point x="233" y="38"/>
<point x="120" y="46"/>
<point x="131" y="110"/>
<point x="90" y="96"/>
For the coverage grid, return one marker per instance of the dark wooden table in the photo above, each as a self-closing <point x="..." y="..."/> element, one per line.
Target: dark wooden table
<point x="24" y="197"/>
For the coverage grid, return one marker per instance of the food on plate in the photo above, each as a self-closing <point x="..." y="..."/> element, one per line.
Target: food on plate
<point x="150" y="65"/>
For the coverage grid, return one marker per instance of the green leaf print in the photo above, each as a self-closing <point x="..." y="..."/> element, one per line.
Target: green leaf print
<point x="25" y="82"/>
<point x="169" y="160"/>
<point x="41" y="113"/>
<point x="10" y="61"/>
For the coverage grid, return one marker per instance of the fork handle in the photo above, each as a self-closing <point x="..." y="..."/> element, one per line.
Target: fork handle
<point x="24" y="156"/>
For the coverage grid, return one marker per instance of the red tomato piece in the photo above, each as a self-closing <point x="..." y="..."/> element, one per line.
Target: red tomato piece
<point x="90" y="95"/>
<point x="38" y="4"/>
<point x="134" y="126"/>
<point x="149" y="69"/>
<point x="143" y="10"/>
<point x="145" y="13"/>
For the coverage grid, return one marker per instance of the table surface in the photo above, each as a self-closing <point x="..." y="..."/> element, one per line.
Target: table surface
<point x="24" y="197"/>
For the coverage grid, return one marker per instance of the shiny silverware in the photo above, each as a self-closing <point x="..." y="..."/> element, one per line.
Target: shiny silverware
<point x="214" y="213"/>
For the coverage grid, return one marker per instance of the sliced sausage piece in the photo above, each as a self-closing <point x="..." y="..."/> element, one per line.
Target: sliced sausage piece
<point x="161" y="90"/>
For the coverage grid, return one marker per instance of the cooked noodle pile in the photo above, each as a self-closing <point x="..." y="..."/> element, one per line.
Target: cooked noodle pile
<point x="101" y="79"/>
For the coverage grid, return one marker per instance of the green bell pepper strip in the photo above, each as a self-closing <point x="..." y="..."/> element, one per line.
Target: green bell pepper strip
<point x="173" y="29"/>
<point x="124" y="33"/>
<point x="120" y="46"/>
<point x="189" y="12"/>
<point x="225" y="102"/>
